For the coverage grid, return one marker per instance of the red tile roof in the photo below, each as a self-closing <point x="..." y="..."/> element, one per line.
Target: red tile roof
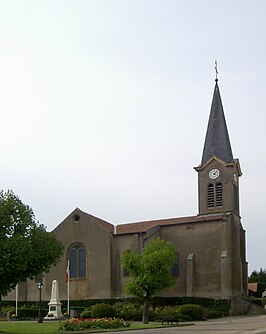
<point x="145" y="225"/>
<point x="253" y="287"/>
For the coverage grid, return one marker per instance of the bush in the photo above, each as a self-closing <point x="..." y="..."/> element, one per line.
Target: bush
<point x="10" y="309"/>
<point x="128" y="311"/>
<point x="208" y="303"/>
<point x="191" y="311"/>
<point x="133" y="312"/>
<point x="86" y="314"/>
<point x="259" y="301"/>
<point x="160" y="312"/>
<point x="29" y="313"/>
<point x="103" y="311"/>
<point x="212" y="314"/>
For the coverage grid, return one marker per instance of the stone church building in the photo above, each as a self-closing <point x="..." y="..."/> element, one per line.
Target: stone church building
<point x="210" y="246"/>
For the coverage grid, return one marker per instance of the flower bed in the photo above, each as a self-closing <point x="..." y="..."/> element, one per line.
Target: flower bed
<point x="77" y="324"/>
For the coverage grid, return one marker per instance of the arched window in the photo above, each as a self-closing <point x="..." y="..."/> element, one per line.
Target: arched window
<point x="77" y="261"/>
<point x="219" y="194"/>
<point x="210" y="195"/>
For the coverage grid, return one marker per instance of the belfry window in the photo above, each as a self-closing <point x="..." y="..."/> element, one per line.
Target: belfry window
<point x="215" y="195"/>
<point x="77" y="261"/>
<point x="219" y="194"/>
<point x="210" y="195"/>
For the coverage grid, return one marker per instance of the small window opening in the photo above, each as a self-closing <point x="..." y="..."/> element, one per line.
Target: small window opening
<point x="76" y="218"/>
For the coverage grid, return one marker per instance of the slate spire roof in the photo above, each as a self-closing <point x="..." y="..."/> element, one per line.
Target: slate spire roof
<point x="217" y="142"/>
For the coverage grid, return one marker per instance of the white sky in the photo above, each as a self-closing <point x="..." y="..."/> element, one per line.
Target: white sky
<point x="104" y="105"/>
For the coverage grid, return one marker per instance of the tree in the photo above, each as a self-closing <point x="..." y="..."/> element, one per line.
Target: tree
<point x="150" y="271"/>
<point x="26" y="248"/>
<point x="260" y="278"/>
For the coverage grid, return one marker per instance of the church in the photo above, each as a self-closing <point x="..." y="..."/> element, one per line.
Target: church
<point x="210" y="246"/>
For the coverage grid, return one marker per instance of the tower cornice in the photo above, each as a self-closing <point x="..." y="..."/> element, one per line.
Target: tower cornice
<point x="234" y="162"/>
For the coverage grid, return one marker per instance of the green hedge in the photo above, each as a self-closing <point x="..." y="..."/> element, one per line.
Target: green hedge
<point x="221" y="305"/>
<point x="258" y="301"/>
<point x="133" y="312"/>
<point x="191" y="311"/>
<point x="30" y="313"/>
<point x="210" y="303"/>
<point x="217" y="304"/>
<point x="24" y="304"/>
<point x="129" y="311"/>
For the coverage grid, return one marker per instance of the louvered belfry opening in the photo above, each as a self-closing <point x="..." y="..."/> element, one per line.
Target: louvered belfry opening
<point x="219" y="194"/>
<point x="215" y="195"/>
<point x="210" y="195"/>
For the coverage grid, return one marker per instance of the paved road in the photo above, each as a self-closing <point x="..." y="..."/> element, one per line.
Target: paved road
<point x="230" y="325"/>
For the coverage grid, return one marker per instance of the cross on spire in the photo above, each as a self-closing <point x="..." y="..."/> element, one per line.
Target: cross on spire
<point x="216" y="71"/>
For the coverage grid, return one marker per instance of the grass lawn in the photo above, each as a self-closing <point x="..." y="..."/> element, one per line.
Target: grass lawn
<point x="27" y="327"/>
<point x="51" y="327"/>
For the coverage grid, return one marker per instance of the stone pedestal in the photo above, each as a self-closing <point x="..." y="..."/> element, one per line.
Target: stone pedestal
<point x="54" y="304"/>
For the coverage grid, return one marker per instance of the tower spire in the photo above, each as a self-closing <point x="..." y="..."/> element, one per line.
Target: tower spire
<point x="217" y="142"/>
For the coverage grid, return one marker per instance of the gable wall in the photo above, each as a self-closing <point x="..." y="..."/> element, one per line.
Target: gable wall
<point x="97" y="242"/>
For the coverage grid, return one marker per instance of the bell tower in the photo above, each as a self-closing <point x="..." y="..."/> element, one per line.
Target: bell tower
<point x="219" y="172"/>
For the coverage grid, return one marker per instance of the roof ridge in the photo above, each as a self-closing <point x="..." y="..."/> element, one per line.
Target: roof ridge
<point x="156" y="220"/>
<point x="140" y="227"/>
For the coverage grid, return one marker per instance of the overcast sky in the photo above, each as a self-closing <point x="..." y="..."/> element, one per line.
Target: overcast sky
<point x="104" y="106"/>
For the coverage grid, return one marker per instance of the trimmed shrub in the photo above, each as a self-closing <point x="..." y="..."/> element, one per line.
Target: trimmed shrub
<point x="86" y="314"/>
<point x="133" y="312"/>
<point x="191" y="311"/>
<point x="103" y="311"/>
<point x="10" y="309"/>
<point x="160" y="312"/>
<point x="128" y="311"/>
<point x="212" y="314"/>
<point x="259" y="301"/>
<point x="210" y="303"/>
<point x="29" y="313"/>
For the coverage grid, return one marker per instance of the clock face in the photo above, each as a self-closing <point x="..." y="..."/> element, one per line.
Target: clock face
<point x="214" y="173"/>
